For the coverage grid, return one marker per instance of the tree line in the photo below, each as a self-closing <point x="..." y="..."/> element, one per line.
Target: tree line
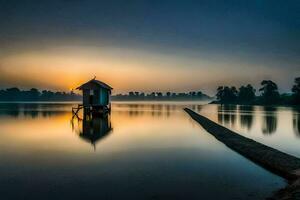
<point x="246" y="94"/>
<point x="269" y="94"/>
<point x="15" y="94"/>
<point x="161" y="96"/>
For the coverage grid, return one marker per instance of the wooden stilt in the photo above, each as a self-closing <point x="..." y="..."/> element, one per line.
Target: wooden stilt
<point x="76" y="110"/>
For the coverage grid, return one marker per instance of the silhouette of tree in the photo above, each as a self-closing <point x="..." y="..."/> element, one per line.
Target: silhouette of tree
<point x="159" y="94"/>
<point x="168" y="94"/>
<point x="192" y="93"/>
<point x="226" y="94"/>
<point x="46" y="94"/>
<point x="270" y="94"/>
<point x="34" y="94"/>
<point x="296" y="91"/>
<point x="246" y="94"/>
<point x="152" y="95"/>
<point x="15" y="94"/>
<point x="13" y="90"/>
<point x="12" y="94"/>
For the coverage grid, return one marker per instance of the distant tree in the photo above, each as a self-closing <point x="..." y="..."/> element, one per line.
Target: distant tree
<point x="234" y="92"/>
<point x="15" y="94"/>
<point x="131" y="94"/>
<point x="13" y="90"/>
<point x="47" y="95"/>
<point x="199" y="94"/>
<point x="270" y="94"/>
<point x="246" y="94"/>
<point x="12" y="94"/>
<point x="2" y="94"/>
<point x="181" y="95"/>
<point x="34" y="94"/>
<point x="226" y="94"/>
<point x="159" y="94"/>
<point x="152" y="95"/>
<point x="168" y="94"/>
<point x="193" y="93"/>
<point x="220" y="93"/>
<point x="296" y="91"/>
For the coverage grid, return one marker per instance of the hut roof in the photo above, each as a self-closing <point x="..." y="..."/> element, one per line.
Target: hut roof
<point x="96" y="82"/>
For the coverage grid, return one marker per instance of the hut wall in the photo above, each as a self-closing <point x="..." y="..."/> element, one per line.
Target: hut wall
<point x="96" y="97"/>
<point x="100" y="95"/>
<point x="104" y="93"/>
<point x="86" y="97"/>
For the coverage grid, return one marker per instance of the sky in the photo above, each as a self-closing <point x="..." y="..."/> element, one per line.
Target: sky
<point x="149" y="45"/>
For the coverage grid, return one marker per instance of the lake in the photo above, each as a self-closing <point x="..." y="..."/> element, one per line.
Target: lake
<point x="142" y="150"/>
<point x="275" y="126"/>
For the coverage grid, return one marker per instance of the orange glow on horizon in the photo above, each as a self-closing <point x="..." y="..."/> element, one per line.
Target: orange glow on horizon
<point x="124" y="69"/>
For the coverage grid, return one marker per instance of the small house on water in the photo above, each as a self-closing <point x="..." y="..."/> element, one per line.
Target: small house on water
<point x="96" y="97"/>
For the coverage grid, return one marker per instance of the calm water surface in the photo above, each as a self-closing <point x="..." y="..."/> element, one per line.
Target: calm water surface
<point x="140" y="151"/>
<point x="278" y="127"/>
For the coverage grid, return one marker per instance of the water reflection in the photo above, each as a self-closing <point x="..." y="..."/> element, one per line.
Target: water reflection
<point x="246" y="116"/>
<point x="197" y="108"/>
<point x="227" y="115"/>
<point x="296" y="121"/>
<point x="138" y="110"/>
<point x="149" y="144"/>
<point x="33" y="110"/>
<point x="93" y="129"/>
<point x="36" y="110"/>
<point x="270" y="120"/>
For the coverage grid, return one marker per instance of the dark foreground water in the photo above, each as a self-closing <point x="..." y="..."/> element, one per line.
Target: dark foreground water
<point x="140" y="151"/>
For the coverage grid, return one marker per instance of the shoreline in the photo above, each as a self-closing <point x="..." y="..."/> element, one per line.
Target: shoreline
<point x="280" y="163"/>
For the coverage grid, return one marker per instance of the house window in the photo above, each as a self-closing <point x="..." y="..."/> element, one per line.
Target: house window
<point x="91" y="92"/>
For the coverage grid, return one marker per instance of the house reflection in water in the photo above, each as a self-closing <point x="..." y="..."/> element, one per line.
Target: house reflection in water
<point x="93" y="129"/>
